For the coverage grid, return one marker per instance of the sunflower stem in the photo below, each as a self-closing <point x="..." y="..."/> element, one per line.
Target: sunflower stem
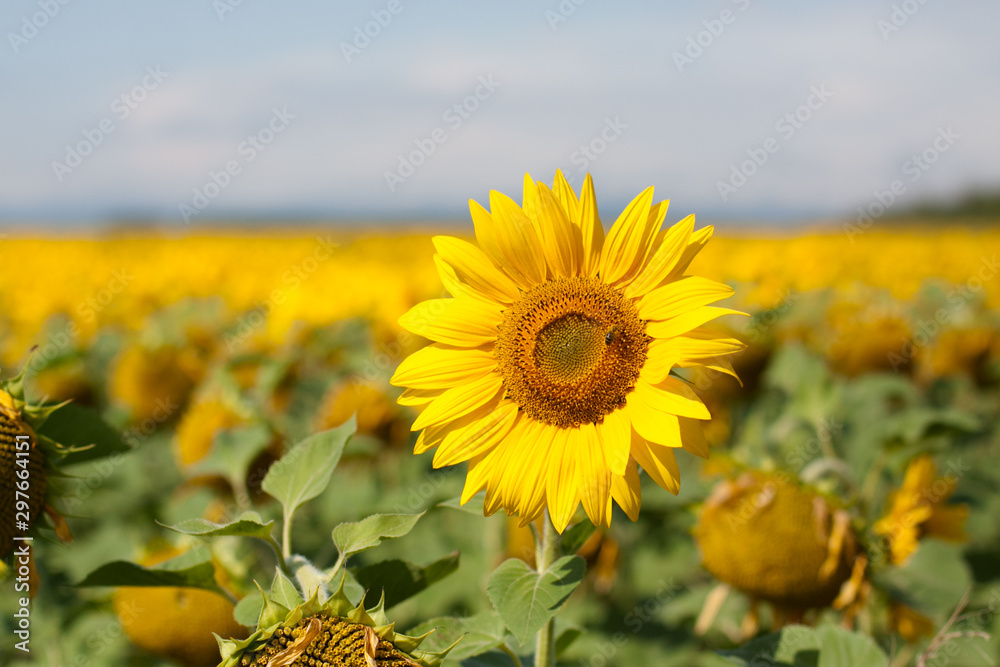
<point x="546" y="553"/>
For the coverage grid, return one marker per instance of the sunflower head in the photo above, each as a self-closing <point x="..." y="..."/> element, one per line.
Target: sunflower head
<point x="919" y="508"/>
<point x="552" y="370"/>
<point x="334" y="633"/>
<point x="24" y="456"/>
<point x="776" y="541"/>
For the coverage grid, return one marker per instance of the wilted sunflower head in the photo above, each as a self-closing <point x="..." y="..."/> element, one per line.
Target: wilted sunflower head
<point x="550" y="368"/>
<point x="919" y="508"/>
<point x="776" y="540"/>
<point x="154" y="383"/>
<point x="334" y="633"/>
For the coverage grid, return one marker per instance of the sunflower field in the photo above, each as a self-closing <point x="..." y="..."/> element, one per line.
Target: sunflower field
<point x="555" y="440"/>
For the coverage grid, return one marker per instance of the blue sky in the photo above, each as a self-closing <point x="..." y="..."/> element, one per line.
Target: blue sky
<point x="258" y="109"/>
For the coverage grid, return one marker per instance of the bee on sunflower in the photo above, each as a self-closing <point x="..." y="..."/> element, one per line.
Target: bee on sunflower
<point x="550" y="368"/>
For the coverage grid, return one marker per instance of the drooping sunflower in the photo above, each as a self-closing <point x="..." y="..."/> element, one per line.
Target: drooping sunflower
<point x="797" y="548"/>
<point x="550" y="366"/>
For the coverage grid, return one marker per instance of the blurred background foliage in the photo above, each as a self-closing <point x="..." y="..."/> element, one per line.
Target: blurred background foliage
<point x="870" y="387"/>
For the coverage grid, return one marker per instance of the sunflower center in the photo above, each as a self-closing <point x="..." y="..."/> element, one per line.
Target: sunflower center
<point x="570" y="350"/>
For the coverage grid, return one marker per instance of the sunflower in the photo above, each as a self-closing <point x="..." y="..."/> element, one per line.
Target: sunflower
<point x="796" y="548"/>
<point x="550" y="369"/>
<point x="334" y="633"/>
<point x="919" y="509"/>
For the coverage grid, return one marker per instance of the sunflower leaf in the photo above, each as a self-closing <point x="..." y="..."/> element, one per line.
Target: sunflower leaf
<point x="247" y="524"/>
<point x="352" y="538"/>
<point x="193" y="569"/>
<point x="284" y="591"/>
<point x="527" y="599"/>
<point x="84" y="432"/>
<point x="304" y="472"/>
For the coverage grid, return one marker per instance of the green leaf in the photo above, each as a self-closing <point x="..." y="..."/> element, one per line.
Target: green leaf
<point x="233" y="451"/>
<point x="304" y="472"/>
<point x="575" y="537"/>
<point x="401" y="580"/>
<point x="77" y="427"/>
<point x="527" y="599"/>
<point x="839" y="647"/>
<point x="479" y="634"/>
<point x="352" y="538"/>
<point x="474" y="506"/>
<point x="248" y="610"/>
<point x="193" y="569"/>
<point x="247" y="524"/>
<point x="284" y="592"/>
<point x="799" y="646"/>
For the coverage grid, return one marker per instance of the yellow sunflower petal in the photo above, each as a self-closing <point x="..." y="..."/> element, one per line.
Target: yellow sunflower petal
<point x="626" y="490"/>
<point x="590" y="228"/>
<point x="681" y="324"/>
<point x="459" y="401"/>
<point x="418" y="397"/>
<point x="683" y="295"/>
<point x="563" y="243"/>
<point x="704" y="344"/>
<point x="657" y="213"/>
<point x="568" y="198"/>
<point x="476" y="438"/>
<point x="530" y="484"/>
<point x="461" y="322"/>
<point x="697" y="242"/>
<point x="664" y="259"/>
<point x="660" y="463"/>
<point x="440" y="366"/>
<point x="561" y="486"/>
<point x="616" y="434"/>
<point x="594" y="476"/>
<point x="518" y="238"/>
<point x="628" y="240"/>
<point x="671" y="396"/>
<point x="475" y="268"/>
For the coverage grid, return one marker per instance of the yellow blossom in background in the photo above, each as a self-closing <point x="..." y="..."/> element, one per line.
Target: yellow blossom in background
<point x="199" y="426"/>
<point x="377" y="413"/>
<point x="155" y="383"/>
<point x="919" y="509"/>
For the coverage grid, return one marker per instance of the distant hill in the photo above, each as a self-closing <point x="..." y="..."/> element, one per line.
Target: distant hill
<point x="978" y="206"/>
